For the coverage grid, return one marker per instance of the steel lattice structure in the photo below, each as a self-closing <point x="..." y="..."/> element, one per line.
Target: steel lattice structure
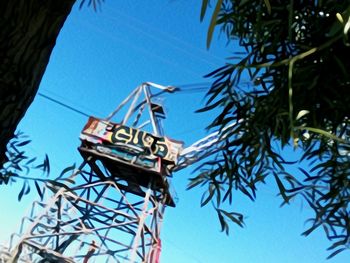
<point x="114" y="206"/>
<point x="103" y="219"/>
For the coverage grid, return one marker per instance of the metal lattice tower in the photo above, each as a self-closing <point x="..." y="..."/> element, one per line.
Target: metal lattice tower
<point x="114" y="209"/>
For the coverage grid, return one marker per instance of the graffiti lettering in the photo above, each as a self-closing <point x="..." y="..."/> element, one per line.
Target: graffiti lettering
<point x="135" y="137"/>
<point x="120" y="134"/>
<point x="161" y="148"/>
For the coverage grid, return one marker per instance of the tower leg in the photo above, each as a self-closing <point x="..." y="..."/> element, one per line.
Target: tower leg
<point x="99" y="218"/>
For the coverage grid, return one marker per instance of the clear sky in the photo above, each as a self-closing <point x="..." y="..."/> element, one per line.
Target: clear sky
<point x="98" y="60"/>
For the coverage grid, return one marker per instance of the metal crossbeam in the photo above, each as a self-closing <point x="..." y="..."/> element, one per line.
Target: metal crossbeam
<point x="114" y="211"/>
<point x="122" y="227"/>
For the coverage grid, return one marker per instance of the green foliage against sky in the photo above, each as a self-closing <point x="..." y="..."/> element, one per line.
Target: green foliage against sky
<point x="296" y="60"/>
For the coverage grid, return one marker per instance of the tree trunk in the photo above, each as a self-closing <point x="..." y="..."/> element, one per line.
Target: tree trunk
<point x="28" y="33"/>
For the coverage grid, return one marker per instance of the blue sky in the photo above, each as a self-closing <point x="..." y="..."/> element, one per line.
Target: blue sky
<point x="98" y="60"/>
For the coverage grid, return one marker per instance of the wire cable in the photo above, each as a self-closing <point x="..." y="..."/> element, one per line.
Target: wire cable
<point x="63" y="104"/>
<point x="195" y="87"/>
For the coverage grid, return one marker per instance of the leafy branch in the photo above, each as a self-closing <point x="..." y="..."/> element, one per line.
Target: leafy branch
<point x="21" y="167"/>
<point x="284" y="88"/>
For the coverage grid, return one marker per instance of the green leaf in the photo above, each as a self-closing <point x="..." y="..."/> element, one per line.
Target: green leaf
<point x="23" y="143"/>
<point x="203" y="9"/>
<point x="39" y="190"/>
<point x="194" y="182"/>
<point x="224" y="226"/>
<point x="27" y="190"/>
<point x="213" y="22"/>
<point x="281" y="188"/>
<point x="210" y="107"/>
<point x="23" y="191"/>
<point x="31" y="161"/>
<point x="46" y="167"/>
<point x="337" y="244"/>
<point x="268" y="6"/>
<point x="234" y="217"/>
<point x="66" y="170"/>
<point x="336" y="252"/>
<point x="324" y="133"/>
<point x="301" y="114"/>
<point x="335" y="29"/>
<point x="310" y="230"/>
<point x="69" y="180"/>
<point x="55" y="186"/>
<point x="205" y="199"/>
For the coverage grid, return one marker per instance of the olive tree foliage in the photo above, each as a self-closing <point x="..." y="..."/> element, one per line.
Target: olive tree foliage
<point x="29" y="29"/>
<point x="21" y="167"/>
<point x="295" y="55"/>
<point x="94" y="3"/>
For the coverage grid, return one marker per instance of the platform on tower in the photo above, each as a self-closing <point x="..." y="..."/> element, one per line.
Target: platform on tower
<point x="139" y="158"/>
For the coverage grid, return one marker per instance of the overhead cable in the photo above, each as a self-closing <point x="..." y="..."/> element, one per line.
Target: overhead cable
<point x="63" y="104"/>
<point x="195" y="87"/>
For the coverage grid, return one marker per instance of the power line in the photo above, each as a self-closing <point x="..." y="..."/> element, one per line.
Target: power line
<point x="63" y="104"/>
<point x="161" y="36"/>
<point x="67" y="100"/>
<point x="195" y="87"/>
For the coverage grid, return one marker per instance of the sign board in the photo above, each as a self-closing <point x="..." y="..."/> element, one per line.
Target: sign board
<point x="98" y="131"/>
